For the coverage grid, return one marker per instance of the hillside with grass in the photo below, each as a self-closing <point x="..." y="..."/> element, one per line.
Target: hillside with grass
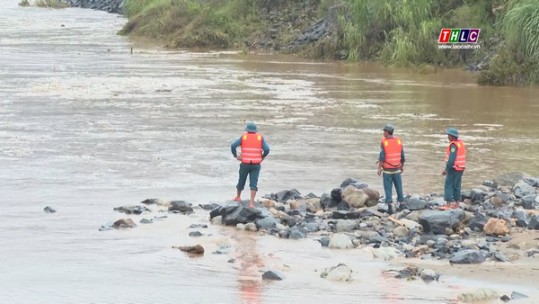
<point x="397" y="33"/>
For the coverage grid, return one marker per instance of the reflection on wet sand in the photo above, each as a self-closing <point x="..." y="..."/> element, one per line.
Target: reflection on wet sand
<point x="249" y="276"/>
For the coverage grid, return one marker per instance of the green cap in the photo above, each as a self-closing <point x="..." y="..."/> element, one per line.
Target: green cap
<point x="453" y="132"/>
<point x="388" y="128"/>
<point x="251" y="127"/>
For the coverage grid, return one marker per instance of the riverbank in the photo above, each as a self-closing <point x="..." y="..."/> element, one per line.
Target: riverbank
<point x="490" y="242"/>
<point x="401" y="34"/>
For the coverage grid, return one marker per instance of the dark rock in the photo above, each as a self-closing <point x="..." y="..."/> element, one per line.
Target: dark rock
<point x="517" y="296"/>
<point x="408" y="272"/>
<point x="437" y="221"/>
<point x="146" y="221"/>
<point x="324" y="241"/>
<point x="297" y="233"/>
<point x="286" y="195"/>
<point x="49" y="209"/>
<point x="311" y="195"/>
<point x="478" y="222"/>
<point x="498" y="256"/>
<point x="490" y="184"/>
<point x="528" y="201"/>
<point x="467" y="256"/>
<point x="492" y="239"/>
<point x="505" y="298"/>
<point x="195" y="234"/>
<point x="215" y="212"/>
<point x="353" y="182"/>
<point x="521" y="218"/>
<point x="198" y="226"/>
<point x="124" y="223"/>
<point x="311" y="227"/>
<point x="150" y="201"/>
<point x="532" y="181"/>
<point x="522" y="189"/>
<point x="272" y="275"/>
<point x="345" y="214"/>
<point x="534" y="222"/>
<point x="209" y="206"/>
<point x="132" y="209"/>
<point x="233" y="215"/>
<point x="423" y="239"/>
<point x="343" y="206"/>
<point x="505" y="238"/>
<point x="196" y="250"/>
<point x="478" y="195"/>
<point x="336" y="195"/>
<point x="266" y="223"/>
<point x="181" y="207"/>
<point x="414" y="203"/>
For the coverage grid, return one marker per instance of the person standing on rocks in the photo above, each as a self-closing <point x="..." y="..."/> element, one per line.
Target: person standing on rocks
<point x="391" y="163"/>
<point x="455" y="158"/>
<point x="254" y="150"/>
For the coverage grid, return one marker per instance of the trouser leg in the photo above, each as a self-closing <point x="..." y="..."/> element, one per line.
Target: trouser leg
<point x="244" y="170"/>
<point x="388" y="184"/>
<point x="449" y="186"/>
<point x="397" y="180"/>
<point x="254" y="172"/>
<point x="457" y="186"/>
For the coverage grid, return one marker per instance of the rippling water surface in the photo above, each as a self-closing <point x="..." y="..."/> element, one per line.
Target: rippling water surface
<point x="86" y="125"/>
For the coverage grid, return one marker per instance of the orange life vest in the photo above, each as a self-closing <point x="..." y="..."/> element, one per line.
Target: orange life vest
<point x="251" y="148"/>
<point x="460" y="160"/>
<point x="392" y="150"/>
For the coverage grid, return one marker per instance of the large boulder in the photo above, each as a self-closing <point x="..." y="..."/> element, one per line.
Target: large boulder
<point x="497" y="227"/>
<point x="437" y="221"/>
<point x="354" y="197"/>
<point x="468" y="256"/>
<point x="233" y="215"/>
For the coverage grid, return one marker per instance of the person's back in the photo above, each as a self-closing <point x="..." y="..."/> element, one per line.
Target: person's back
<point x="254" y="150"/>
<point x="391" y="163"/>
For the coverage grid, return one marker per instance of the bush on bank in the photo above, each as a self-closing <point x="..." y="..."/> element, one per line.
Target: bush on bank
<point x="401" y="33"/>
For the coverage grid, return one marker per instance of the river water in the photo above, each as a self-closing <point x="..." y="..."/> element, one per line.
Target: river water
<point x="91" y="121"/>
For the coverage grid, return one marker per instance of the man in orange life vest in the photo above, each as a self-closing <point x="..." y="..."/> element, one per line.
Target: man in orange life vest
<point x="455" y="158"/>
<point x="391" y="162"/>
<point x="254" y="150"/>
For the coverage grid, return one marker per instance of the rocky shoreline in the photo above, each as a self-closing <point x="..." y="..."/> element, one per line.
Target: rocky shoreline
<point x="353" y="216"/>
<point x="111" y="6"/>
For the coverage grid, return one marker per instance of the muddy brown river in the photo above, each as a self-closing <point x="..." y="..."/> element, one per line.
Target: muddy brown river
<point x="90" y="121"/>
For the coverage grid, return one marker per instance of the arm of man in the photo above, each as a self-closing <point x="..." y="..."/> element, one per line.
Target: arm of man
<point x="403" y="159"/>
<point x="381" y="158"/>
<point x="452" y="157"/>
<point x="265" y="148"/>
<point x="234" y="146"/>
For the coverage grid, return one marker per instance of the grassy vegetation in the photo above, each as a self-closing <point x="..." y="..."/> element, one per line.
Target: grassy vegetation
<point x="401" y="33"/>
<point x="190" y="23"/>
<point x="518" y="62"/>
